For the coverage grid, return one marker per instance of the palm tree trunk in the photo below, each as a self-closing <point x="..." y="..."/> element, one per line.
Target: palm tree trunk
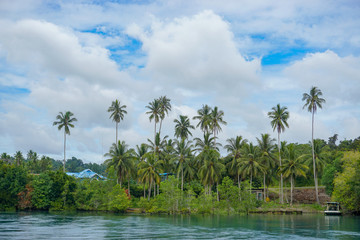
<point x="160" y="127"/>
<point x="264" y="189"/>
<point x="144" y="190"/>
<point x="154" y="188"/>
<point x="250" y="181"/>
<point x="281" y="176"/>
<point x="182" y="179"/>
<point x="239" y="185"/>
<point x="64" y="150"/>
<point x="150" y="182"/>
<point x="217" y="191"/>
<point x="292" y="189"/>
<point x="313" y="155"/>
<point x="129" y="186"/>
<point x="116" y="142"/>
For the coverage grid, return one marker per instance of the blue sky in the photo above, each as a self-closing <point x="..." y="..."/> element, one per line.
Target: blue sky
<point x="242" y="56"/>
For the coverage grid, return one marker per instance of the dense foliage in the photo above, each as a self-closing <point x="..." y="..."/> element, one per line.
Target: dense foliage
<point x="184" y="174"/>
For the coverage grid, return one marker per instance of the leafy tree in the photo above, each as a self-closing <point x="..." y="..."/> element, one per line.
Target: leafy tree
<point x="347" y="183"/>
<point x="65" y="121"/>
<point x="182" y="127"/>
<point x="313" y="101"/>
<point x="332" y="141"/>
<point x="117" y="114"/>
<point x="279" y="116"/>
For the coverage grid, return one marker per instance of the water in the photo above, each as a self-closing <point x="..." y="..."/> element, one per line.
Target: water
<point x="39" y="225"/>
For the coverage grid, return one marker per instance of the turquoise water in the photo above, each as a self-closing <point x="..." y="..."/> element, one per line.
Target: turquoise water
<point x="38" y="225"/>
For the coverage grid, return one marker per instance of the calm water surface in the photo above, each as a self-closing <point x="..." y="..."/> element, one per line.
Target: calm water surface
<point x="111" y="226"/>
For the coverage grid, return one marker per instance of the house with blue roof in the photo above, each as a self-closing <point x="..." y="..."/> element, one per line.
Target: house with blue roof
<point x="86" y="174"/>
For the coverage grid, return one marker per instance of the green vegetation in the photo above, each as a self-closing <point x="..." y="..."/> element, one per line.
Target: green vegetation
<point x="185" y="175"/>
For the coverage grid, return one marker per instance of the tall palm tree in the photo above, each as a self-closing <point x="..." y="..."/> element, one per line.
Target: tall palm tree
<point x="319" y="159"/>
<point x="183" y="151"/>
<point x="204" y="118"/>
<point x="266" y="147"/>
<point x="155" y="113"/>
<point x="293" y="167"/>
<point x="207" y="143"/>
<point x="279" y="116"/>
<point x="313" y="101"/>
<point x="250" y="164"/>
<point x="65" y="121"/>
<point x="182" y="127"/>
<point x="165" y="107"/>
<point x="117" y="114"/>
<point x="234" y="148"/>
<point x="216" y="118"/>
<point x="122" y="159"/>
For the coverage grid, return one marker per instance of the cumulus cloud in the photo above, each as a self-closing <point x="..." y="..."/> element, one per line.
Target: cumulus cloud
<point x="197" y="52"/>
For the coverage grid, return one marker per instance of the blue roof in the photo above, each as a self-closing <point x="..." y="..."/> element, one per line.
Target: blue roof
<point x="87" y="173"/>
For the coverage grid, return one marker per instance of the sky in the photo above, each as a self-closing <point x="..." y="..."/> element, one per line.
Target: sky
<point x="243" y="56"/>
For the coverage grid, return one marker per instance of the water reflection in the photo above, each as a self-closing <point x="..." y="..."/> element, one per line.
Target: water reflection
<point x="115" y="226"/>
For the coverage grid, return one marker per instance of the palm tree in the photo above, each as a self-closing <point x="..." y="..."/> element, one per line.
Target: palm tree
<point x="211" y="169"/>
<point x="204" y="118"/>
<point x="122" y="160"/>
<point x="18" y="158"/>
<point x="183" y="151"/>
<point x="155" y="113"/>
<point x="266" y="147"/>
<point x="182" y="127"/>
<point x="117" y="113"/>
<point x="293" y="167"/>
<point x="250" y="164"/>
<point x="149" y="171"/>
<point x="313" y="101"/>
<point x="319" y="159"/>
<point x="216" y="118"/>
<point x="159" y="144"/>
<point x="5" y="157"/>
<point x="207" y="143"/>
<point x="65" y="121"/>
<point x="279" y="116"/>
<point x="234" y="148"/>
<point x="165" y="107"/>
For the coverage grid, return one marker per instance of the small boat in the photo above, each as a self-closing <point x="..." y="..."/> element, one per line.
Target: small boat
<point x="332" y="208"/>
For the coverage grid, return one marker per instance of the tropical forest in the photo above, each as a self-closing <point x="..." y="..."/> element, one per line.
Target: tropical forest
<point x="179" y="173"/>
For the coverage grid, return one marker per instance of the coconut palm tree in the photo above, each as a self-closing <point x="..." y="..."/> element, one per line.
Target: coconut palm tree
<point x="165" y="107"/>
<point x="155" y="113"/>
<point x="65" y="121"/>
<point x="266" y="147"/>
<point x="279" y="116"/>
<point x="5" y="157"/>
<point x="313" y="101"/>
<point x="19" y="158"/>
<point x="182" y="127"/>
<point x="183" y="151"/>
<point x="117" y="114"/>
<point x="204" y="118"/>
<point x="319" y="158"/>
<point x="149" y="171"/>
<point x="211" y="169"/>
<point x="216" y="118"/>
<point x="122" y="160"/>
<point x="293" y="167"/>
<point x="234" y="148"/>
<point x="250" y="164"/>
